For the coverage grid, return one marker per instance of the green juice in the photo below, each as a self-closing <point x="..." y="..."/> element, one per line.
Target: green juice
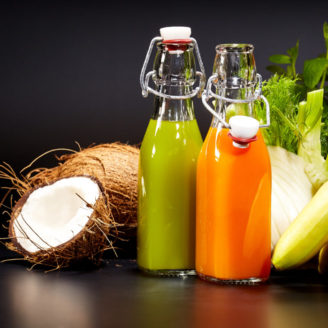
<point x="166" y="203"/>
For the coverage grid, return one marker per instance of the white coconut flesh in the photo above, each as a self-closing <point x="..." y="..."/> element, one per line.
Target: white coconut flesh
<point x="54" y="214"/>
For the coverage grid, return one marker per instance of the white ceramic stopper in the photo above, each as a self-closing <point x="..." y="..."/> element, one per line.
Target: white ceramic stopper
<point x="243" y="126"/>
<point x="175" y="32"/>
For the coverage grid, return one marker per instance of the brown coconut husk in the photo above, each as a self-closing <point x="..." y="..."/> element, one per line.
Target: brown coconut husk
<point x="115" y="168"/>
<point x="89" y="244"/>
<point x="114" y="165"/>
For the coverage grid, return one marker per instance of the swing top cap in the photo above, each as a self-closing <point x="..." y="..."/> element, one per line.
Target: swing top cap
<point x="244" y="127"/>
<point x="175" y="33"/>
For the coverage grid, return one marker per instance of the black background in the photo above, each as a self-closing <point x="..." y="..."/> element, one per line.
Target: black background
<point x="70" y="70"/>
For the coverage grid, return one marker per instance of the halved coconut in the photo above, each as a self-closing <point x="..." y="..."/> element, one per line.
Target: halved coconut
<point x="114" y="165"/>
<point x="65" y="221"/>
<point x="77" y="209"/>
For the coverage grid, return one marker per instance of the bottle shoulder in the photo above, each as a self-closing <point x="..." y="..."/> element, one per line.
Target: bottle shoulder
<point x="171" y="136"/>
<point x="218" y="143"/>
<point x="158" y="128"/>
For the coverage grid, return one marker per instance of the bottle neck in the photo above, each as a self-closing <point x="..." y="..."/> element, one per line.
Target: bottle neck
<point x="174" y="109"/>
<point x="235" y="67"/>
<point x="175" y="75"/>
<point x="227" y="109"/>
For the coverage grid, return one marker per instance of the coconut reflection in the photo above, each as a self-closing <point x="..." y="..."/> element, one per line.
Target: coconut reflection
<point x="42" y="300"/>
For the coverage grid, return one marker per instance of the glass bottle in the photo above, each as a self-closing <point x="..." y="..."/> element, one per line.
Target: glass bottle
<point x="168" y="159"/>
<point x="233" y="176"/>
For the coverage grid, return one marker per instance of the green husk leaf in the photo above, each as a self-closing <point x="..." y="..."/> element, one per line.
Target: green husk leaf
<point x="290" y="72"/>
<point x="276" y="69"/>
<point x="325" y="33"/>
<point x="293" y="52"/>
<point x="313" y="70"/>
<point x="280" y="59"/>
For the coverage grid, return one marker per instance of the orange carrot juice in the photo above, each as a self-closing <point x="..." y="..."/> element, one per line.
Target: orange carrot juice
<point x="233" y="209"/>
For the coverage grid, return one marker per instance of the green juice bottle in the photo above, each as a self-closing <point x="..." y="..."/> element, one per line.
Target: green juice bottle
<point x="168" y="158"/>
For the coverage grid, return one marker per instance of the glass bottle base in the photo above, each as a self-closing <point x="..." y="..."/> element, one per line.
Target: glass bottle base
<point x="247" y="281"/>
<point x="169" y="272"/>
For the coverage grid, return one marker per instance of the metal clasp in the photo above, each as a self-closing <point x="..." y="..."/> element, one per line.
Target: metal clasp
<point x="208" y="94"/>
<point x="144" y="78"/>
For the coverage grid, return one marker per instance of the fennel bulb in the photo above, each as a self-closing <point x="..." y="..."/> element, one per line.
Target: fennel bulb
<point x="291" y="190"/>
<point x="293" y="139"/>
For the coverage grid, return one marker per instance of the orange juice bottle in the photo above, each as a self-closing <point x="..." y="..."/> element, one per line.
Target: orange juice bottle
<point x="233" y="176"/>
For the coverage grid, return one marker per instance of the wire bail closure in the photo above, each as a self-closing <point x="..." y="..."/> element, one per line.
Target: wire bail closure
<point x="144" y="78"/>
<point x="208" y="94"/>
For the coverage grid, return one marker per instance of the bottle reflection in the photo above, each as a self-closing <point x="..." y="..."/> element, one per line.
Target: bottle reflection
<point x="231" y="306"/>
<point x="193" y="303"/>
<point x="162" y="302"/>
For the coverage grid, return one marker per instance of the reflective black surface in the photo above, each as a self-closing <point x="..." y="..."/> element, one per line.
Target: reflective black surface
<point x="118" y="295"/>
